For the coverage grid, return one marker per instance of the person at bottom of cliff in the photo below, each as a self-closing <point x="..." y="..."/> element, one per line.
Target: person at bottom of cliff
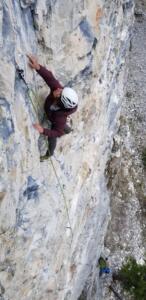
<point x="60" y="103"/>
<point x="103" y="265"/>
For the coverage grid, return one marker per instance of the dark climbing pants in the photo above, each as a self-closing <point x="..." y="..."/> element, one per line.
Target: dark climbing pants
<point x="52" y="145"/>
<point x="53" y="140"/>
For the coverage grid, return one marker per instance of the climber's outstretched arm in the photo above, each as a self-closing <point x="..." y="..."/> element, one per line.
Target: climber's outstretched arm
<point x="48" y="77"/>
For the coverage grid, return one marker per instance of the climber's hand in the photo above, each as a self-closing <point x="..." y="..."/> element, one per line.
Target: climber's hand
<point x="33" y="63"/>
<point x="38" y="127"/>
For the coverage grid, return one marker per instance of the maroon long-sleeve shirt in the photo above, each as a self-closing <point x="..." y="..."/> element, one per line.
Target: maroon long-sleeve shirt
<point x="58" y="118"/>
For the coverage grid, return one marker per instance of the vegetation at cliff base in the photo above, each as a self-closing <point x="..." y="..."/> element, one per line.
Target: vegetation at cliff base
<point x="144" y="157"/>
<point x="133" y="278"/>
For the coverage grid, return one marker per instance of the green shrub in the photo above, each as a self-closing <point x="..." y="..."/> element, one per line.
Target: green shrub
<point x="144" y="157"/>
<point x="133" y="278"/>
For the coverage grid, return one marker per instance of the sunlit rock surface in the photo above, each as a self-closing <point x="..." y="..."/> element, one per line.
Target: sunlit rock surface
<point x="84" y="43"/>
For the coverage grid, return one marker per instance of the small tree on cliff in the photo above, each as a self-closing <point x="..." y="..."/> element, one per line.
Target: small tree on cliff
<point x="133" y="278"/>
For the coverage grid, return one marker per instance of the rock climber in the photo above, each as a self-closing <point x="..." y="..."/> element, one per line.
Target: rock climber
<point x="103" y="265"/>
<point x="59" y="104"/>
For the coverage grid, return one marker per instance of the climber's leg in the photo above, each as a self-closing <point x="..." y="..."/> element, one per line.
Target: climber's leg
<point x="51" y="147"/>
<point x="52" y="141"/>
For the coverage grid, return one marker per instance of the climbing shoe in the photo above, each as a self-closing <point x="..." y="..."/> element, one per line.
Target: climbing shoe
<point x="67" y="129"/>
<point x="44" y="157"/>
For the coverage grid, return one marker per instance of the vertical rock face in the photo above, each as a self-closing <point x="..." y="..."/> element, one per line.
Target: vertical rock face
<point x="47" y="251"/>
<point x="126" y="233"/>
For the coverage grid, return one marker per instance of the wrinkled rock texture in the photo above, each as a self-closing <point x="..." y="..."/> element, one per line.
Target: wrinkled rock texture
<point x="85" y="44"/>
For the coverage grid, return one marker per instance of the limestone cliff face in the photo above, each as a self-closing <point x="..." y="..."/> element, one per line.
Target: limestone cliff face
<point x="84" y="43"/>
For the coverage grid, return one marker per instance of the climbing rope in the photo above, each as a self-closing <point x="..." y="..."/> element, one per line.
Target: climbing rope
<point x="30" y="92"/>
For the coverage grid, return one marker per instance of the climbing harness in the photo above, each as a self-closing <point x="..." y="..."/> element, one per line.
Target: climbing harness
<point x="30" y="92"/>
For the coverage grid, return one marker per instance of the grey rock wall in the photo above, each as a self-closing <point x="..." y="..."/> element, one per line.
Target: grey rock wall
<point x="85" y="45"/>
<point x="126" y="234"/>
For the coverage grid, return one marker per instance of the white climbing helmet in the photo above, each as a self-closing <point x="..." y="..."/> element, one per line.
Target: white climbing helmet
<point x="69" y="98"/>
